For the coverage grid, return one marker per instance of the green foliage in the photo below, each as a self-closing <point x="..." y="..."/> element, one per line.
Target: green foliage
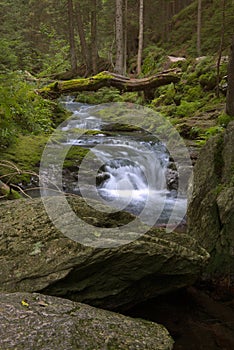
<point x="208" y="81"/>
<point x="224" y="119"/>
<point x="192" y="107"/>
<point x="183" y="34"/>
<point x="56" y="59"/>
<point x="106" y="94"/>
<point x="187" y="109"/>
<point x="205" y="65"/>
<point x="8" y="58"/>
<point x="213" y="131"/>
<point x="154" y="58"/>
<point x="22" y="111"/>
<point x="194" y="93"/>
<point x="103" y="95"/>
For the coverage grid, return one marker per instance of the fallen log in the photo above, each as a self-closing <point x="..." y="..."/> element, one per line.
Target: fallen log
<point x="107" y="79"/>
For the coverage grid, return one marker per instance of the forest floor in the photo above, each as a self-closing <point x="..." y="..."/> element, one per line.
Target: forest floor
<point x="198" y="317"/>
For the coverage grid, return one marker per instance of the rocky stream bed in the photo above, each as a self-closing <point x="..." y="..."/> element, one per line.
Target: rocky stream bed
<point x="183" y="281"/>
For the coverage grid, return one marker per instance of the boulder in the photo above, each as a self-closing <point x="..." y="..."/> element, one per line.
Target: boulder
<point x="211" y="208"/>
<point x="39" y="322"/>
<point x="37" y="257"/>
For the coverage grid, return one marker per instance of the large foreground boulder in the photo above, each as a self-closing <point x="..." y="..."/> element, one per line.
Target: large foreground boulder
<point x="39" y="322"/>
<point x="36" y="256"/>
<point x="211" y="209"/>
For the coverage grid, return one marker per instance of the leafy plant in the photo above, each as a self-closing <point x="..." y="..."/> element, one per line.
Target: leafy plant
<point x="21" y="110"/>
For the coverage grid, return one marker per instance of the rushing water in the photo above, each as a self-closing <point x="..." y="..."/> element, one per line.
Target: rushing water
<point x="131" y="171"/>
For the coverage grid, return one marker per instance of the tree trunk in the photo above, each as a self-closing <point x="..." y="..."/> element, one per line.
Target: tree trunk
<point x="119" y="64"/>
<point x="94" y="49"/>
<point x="125" y="34"/>
<point x="140" y="41"/>
<point x="230" y="91"/>
<point x="83" y="44"/>
<point x="107" y="79"/>
<point x="199" y="27"/>
<point x="73" y="57"/>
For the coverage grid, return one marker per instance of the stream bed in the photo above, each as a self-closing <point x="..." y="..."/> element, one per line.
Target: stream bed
<point x="126" y="170"/>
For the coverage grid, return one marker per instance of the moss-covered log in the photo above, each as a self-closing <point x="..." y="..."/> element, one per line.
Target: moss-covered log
<point x="107" y="79"/>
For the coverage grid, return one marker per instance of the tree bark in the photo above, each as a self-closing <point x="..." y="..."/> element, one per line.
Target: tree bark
<point x="140" y="40"/>
<point x="107" y="79"/>
<point x="73" y="57"/>
<point x="125" y="34"/>
<point x="83" y="44"/>
<point x="230" y="91"/>
<point x="119" y="64"/>
<point x="94" y="49"/>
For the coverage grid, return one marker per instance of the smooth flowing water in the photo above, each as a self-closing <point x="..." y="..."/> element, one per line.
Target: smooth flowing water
<point x="131" y="172"/>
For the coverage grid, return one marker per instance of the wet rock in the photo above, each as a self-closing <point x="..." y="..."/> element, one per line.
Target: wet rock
<point x="35" y="321"/>
<point x="102" y="177"/>
<point x="211" y="208"/>
<point x="36" y="256"/>
<point x="172" y="179"/>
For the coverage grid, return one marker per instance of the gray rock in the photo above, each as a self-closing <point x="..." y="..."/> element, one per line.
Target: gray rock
<point x="39" y="322"/>
<point x="37" y="257"/>
<point x="211" y="208"/>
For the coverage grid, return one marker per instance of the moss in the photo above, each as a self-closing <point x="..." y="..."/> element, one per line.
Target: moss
<point x="208" y="81"/>
<point x="224" y="119"/>
<point x="59" y="114"/>
<point x="121" y="127"/>
<point x="187" y="109"/>
<point x="75" y="156"/>
<point x="25" y="153"/>
<point x="103" y="95"/>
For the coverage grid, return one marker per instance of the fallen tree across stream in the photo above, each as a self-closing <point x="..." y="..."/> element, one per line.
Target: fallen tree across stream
<point x="108" y="79"/>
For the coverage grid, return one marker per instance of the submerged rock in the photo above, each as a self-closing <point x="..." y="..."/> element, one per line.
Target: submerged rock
<point x="35" y="321"/>
<point x="211" y="208"/>
<point x="36" y="256"/>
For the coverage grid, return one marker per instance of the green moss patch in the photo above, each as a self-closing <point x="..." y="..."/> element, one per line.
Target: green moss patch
<point x="75" y="156"/>
<point x="25" y="153"/>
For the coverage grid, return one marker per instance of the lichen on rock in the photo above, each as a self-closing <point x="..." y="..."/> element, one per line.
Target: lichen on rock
<point x="211" y="209"/>
<point x="39" y="322"/>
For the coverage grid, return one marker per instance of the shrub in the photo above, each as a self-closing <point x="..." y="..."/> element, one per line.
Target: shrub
<point x="21" y="110"/>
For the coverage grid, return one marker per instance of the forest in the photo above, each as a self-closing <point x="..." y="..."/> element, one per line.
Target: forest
<point x="66" y="39"/>
<point x="119" y="113"/>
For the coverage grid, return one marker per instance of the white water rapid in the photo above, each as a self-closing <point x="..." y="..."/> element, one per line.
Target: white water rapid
<point x="131" y="171"/>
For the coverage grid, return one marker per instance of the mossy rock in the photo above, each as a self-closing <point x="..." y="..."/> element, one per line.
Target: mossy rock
<point x="211" y="208"/>
<point x="74" y="157"/>
<point x="101" y="261"/>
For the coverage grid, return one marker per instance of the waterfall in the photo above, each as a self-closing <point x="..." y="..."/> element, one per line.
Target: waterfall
<point x="131" y="174"/>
